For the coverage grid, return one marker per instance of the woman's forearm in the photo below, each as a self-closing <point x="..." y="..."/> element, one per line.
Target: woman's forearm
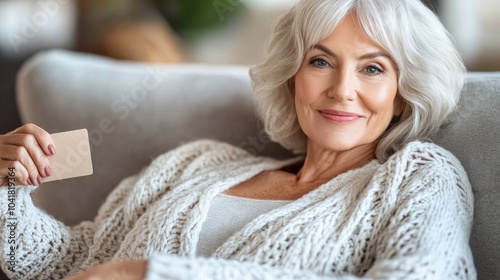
<point x="34" y="244"/>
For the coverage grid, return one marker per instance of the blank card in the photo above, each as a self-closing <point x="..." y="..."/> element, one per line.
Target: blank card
<point x="73" y="157"/>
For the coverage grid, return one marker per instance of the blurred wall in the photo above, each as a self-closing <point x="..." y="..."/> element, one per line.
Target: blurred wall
<point x="27" y="26"/>
<point x="475" y="24"/>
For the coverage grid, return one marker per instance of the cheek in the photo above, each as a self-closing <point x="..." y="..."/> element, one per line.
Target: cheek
<point x="303" y="97"/>
<point x="308" y="88"/>
<point x="301" y="93"/>
<point x="380" y="98"/>
<point x="302" y="102"/>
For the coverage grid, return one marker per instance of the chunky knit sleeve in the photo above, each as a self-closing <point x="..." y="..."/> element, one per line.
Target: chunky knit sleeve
<point x="37" y="246"/>
<point x="425" y="237"/>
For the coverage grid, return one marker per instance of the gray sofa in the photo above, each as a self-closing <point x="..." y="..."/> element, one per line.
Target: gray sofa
<point x="135" y="112"/>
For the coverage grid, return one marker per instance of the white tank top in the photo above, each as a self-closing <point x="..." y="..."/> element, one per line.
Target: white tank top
<point x="228" y="214"/>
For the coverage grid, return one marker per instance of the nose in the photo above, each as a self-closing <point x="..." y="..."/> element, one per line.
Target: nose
<point x="343" y="87"/>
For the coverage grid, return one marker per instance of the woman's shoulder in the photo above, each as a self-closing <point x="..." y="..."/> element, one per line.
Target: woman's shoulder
<point x="206" y="151"/>
<point x="429" y="162"/>
<point x="422" y="170"/>
<point x="425" y="154"/>
<point x="191" y="157"/>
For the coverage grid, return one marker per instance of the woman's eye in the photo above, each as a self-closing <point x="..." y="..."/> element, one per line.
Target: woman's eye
<point x="373" y="70"/>
<point x="320" y="63"/>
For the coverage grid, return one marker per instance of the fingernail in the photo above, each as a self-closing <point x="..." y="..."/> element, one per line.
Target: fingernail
<point x="40" y="181"/>
<point x="48" y="172"/>
<point x="29" y="182"/>
<point x="52" y="149"/>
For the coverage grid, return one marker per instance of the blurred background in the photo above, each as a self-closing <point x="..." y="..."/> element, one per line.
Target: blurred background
<point x="178" y="31"/>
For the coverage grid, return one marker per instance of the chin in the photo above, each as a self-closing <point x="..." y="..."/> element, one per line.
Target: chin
<point x="337" y="144"/>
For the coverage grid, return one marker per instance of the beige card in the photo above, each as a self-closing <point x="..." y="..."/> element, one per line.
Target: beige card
<point x="72" y="158"/>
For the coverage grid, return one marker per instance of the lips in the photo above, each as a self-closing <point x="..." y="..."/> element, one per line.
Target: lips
<point x="339" y="116"/>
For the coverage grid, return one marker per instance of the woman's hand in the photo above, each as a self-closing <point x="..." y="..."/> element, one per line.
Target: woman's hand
<point x="23" y="156"/>
<point x="123" y="270"/>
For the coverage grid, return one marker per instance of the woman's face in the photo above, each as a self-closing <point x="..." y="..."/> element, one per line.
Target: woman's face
<point x="345" y="89"/>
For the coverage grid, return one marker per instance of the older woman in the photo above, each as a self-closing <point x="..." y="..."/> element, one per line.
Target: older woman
<point x="354" y="87"/>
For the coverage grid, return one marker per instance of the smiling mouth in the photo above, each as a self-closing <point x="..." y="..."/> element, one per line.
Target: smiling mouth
<point x="339" y="116"/>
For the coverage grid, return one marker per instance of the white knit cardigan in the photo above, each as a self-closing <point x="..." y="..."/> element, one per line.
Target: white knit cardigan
<point x="409" y="218"/>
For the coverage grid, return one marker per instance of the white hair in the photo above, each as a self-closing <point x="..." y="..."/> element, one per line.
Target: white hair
<point x="430" y="70"/>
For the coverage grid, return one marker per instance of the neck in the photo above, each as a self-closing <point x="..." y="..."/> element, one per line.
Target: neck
<point x="321" y="165"/>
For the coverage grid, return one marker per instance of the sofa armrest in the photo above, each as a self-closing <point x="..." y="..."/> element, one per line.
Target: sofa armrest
<point x="473" y="137"/>
<point x="133" y="112"/>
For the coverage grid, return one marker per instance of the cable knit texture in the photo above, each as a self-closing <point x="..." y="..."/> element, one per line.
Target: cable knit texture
<point x="409" y="218"/>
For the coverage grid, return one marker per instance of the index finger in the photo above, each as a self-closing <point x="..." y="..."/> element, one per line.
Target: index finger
<point x="43" y="138"/>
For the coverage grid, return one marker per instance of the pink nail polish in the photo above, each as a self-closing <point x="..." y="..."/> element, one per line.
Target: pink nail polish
<point x="48" y="171"/>
<point x="29" y="182"/>
<point x="52" y="149"/>
<point x="40" y="181"/>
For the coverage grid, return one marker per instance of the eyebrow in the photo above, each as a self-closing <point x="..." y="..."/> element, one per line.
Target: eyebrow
<point x="363" y="57"/>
